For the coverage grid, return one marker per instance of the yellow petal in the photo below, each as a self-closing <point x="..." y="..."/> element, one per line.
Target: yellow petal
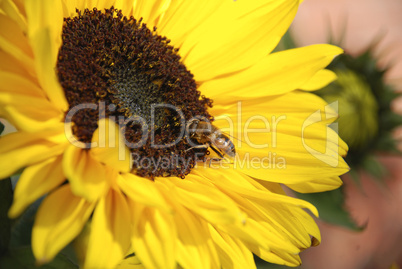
<point x="154" y="238"/>
<point x="321" y="79"/>
<point x="59" y="220"/>
<point x="237" y="35"/>
<point x="286" y="232"/>
<point x="278" y="73"/>
<point x="309" y="224"/>
<point x="125" y="6"/>
<point x="232" y="252"/>
<point x="11" y="9"/>
<point x="193" y="248"/>
<point x="286" y="135"/>
<point x="317" y="185"/>
<point x="263" y="231"/>
<point x="150" y="10"/>
<point x="88" y="178"/>
<point x="70" y="6"/>
<point x="204" y="200"/>
<point x="11" y="64"/>
<point x="13" y="82"/>
<point x="142" y="190"/>
<point x="18" y="150"/>
<point x="290" y="162"/>
<point x="110" y="234"/>
<point x="287" y="259"/>
<point x="14" y="42"/>
<point x="45" y="21"/>
<point x="278" y="224"/>
<point x="272" y="232"/>
<point x="28" y="113"/>
<point x="232" y="180"/>
<point x="12" y="32"/>
<point x="184" y="16"/>
<point x="108" y="146"/>
<point x="35" y="181"/>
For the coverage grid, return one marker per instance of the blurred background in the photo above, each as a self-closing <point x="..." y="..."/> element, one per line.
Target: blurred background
<point x="375" y="205"/>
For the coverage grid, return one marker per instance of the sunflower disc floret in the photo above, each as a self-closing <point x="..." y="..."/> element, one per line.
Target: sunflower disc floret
<point x="117" y="61"/>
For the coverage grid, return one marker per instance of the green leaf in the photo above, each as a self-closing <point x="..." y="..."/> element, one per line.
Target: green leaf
<point x="386" y="142"/>
<point x="1" y="127"/>
<point x="285" y="43"/>
<point x="390" y="119"/>
<point x="22" y="258"/>
<point x="22" y="229"/>
<point x="6" y="198"/>
<point x="330" y="206"/>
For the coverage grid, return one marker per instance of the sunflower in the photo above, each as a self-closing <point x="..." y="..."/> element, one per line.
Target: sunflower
<point x="109" y="98"/>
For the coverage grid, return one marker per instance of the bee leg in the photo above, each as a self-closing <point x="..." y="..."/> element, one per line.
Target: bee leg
<point x="198" y="147"/>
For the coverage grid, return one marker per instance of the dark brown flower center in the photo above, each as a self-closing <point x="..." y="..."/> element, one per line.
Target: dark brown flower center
<point x="134" y="77"/>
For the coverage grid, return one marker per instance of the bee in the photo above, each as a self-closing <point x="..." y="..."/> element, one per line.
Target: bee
<point x="208" y="135"/>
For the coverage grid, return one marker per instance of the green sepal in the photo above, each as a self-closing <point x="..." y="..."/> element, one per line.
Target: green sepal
<point x="21" y="231"/>
<point x="372" y="166"/>
<point x="330" y="205"/>
<point x="6" y="199"/>
<point x="388" y="94"/>
<point x="386" y="143"/>
<point x="22" y="258"/>
<point x="390" y="119"/>
<point x="286" y="43"/>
